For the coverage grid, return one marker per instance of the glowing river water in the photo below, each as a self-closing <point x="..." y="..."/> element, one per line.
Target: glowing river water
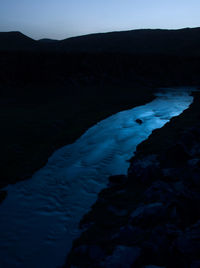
<point x="39" y="218"/>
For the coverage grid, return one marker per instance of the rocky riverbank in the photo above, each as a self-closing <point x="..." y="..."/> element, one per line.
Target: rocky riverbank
<point x="149" y="218"/>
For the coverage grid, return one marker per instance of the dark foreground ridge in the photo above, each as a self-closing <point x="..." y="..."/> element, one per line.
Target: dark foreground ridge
<point x="151" y="217"/>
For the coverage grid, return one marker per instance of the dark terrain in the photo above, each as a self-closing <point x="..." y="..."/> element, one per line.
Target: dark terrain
<point x="151" y="216"/>
<point x="51" y="92"/>
<point x="140" y="42"/>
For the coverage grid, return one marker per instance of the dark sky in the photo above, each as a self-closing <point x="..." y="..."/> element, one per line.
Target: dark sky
<point x="60" y="19"/>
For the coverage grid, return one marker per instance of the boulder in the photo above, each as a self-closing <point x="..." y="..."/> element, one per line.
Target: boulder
<point x="139" y="121"/>
<point x="129" y="234"/>
<point x="149" y="209"/>
<point x="122" y="257"/>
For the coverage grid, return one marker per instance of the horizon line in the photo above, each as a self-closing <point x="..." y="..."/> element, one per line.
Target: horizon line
<point x="106" y="32"/>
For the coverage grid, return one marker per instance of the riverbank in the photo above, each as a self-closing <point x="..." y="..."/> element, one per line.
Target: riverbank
<point x="150" y="216"/>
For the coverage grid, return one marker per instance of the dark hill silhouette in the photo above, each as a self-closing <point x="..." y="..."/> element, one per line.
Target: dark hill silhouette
<point x="47" y="40"/>
<point x="16" y="41"/>
<point x="176" y="42"/>
<point x="183" y="41"/>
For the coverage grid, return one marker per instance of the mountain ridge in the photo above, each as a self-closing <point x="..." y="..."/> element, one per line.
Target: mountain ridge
<point x="15" y="40"/>
<point x="185" y="41"/>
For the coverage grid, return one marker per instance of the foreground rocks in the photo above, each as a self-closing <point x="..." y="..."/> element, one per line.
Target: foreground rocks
<point x="151" y="217"/>
<point x="3" y="195"/>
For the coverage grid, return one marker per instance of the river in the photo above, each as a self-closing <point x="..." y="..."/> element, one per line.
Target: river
<point x="39" y="218"/>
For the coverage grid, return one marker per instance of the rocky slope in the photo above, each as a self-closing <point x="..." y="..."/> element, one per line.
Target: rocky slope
<point x="151" y="217"/>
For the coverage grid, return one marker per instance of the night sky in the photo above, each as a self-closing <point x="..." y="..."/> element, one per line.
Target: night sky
<point x="60" y="19"/>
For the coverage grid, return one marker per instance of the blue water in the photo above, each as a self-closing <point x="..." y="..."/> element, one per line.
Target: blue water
<point x="40" y="216"/>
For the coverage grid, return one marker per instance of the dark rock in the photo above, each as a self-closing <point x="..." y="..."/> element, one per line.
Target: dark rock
<point x="117" y="211"/>
<point x="95" y="252"/>
<point x="149" y="209"/>
<point x="159" y="245"/>
<point x="139" y="121"/>
<point x="89" y="253"/>
<point x="187" y="206"/>
<point x="117" y="179"/>
<point x="194" y="162"/>
<point x="147" y="215"/>
<point x="3" y="195"/>
<point x="171" y="174"/>
<point x="188" y="244"/>
<point x="145" y="169"/>
<point x="129" y="235"/>
<point x="195" y="264"/>
<point x="150" y="251"/>
<point x="187" y="139"/>
<point x="122" y="257"/>
<point x="175" y="156"/>
<point x="153" y="266"/>
<point x="172" y="231"/>
<point x="161" y="191"/>
<point x="81" y="250"/>
<point x="195" y="179"/>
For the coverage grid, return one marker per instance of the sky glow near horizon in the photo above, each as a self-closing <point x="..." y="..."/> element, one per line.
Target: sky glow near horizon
<point x="60" y="19"/>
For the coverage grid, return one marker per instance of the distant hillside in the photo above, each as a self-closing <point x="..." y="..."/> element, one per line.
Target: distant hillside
<point x="184" y="41"/>
<point x="16" y="41"/>
<point x="175" y="42"/>
<point x="47" y="40"/>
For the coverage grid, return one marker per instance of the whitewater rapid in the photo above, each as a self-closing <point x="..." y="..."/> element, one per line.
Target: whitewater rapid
<point x="39" y="219"/>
